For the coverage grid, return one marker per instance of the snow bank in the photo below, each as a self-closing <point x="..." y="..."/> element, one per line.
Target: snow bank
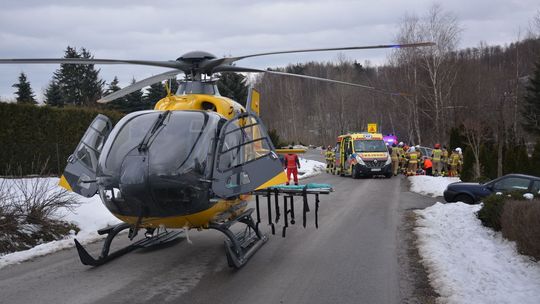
<point x="431" y="185"/>
<point x="300" y="147"/>
<point x="309" y="168"/>
<point x="89" y="216"/>
<point x="469" y="263"/>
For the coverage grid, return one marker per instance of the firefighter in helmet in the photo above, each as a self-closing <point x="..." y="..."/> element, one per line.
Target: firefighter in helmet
<point x="436" y="156"/>
<point x="329" y="156"/>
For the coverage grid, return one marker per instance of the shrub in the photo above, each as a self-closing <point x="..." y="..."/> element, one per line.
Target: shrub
<point x="38" y="134"/>
<point x="490" y="213"/>
<point x="29" y="212"/>
<point x="520" y="222"/>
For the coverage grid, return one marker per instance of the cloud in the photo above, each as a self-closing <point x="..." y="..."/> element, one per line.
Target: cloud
<point x="164" y="30"/>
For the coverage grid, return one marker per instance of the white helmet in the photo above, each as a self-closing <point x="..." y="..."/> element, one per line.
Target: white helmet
<point x="458" y="149"/>
<point x="400" y="144"/>
<point x="411" y="149"/>
<point x="417" y="146"/>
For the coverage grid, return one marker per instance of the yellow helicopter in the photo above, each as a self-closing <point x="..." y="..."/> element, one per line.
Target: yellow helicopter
<point x="192" y="162"/>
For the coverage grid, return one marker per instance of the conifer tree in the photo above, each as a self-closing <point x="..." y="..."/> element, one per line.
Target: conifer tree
<point x="233" y="85"/>
<point x="135" y="101"/>
<point x="457" y="139"/>
<point x="531" y="108"/>
<point x="53" y="95"/>
<point x="24" y="91"/>
<point x="155" y="93"/>
<point x="118" y="104"/>
<point x="79" y="84"/>
<point x="92" y="85"/>
<point x="534" y="165"/>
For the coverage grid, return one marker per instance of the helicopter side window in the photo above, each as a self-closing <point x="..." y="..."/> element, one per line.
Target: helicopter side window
<point x="242" y="143"/>
<point x="91" y="144"/>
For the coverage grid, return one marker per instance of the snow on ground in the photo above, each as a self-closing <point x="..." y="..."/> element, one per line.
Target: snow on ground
<point x="92" y="215"/>
<point x="89" y="216"/>
<point x="469" y="263"/>
<point x="309" y="168"/>
<point x="431" y="185"/>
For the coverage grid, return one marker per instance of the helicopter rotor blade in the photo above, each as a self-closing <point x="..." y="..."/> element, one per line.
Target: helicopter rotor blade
<point x="252" y="70"/>
<point x="139" y="85"/>
<point x="229" y="60"/>
<point x="166" y="64"/>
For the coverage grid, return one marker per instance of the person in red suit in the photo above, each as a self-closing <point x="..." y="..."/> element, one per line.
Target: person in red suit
<point x="292" y="164"/>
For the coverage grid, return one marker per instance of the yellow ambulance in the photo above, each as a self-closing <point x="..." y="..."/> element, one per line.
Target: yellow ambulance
<point x="362" y="154"/>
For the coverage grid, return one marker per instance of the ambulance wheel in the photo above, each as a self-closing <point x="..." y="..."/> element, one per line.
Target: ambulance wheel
<point x="355" y="172"/>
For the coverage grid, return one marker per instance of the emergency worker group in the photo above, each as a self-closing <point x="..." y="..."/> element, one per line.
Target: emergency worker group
<point x="408" y="160"/>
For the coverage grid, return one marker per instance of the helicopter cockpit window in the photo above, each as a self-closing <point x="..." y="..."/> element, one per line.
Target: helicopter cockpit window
<point x="242" y="143"/>
<point x="132" y="130"/>
<point x="179" y="145"/>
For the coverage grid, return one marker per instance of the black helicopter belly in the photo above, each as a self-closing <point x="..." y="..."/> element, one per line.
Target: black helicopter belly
<point x="156" y="192"/>
<point x="163" y="200"/>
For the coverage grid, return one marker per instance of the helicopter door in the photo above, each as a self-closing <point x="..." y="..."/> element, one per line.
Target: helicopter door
<point x="80" y="173"/>
<point x="244" y="158"/>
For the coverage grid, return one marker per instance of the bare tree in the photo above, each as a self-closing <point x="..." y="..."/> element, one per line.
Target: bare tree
<point x="442" y="28"/>
<point x="474" y="132"/>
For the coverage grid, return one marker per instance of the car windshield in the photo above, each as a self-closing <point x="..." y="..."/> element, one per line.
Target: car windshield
<point x="370" y="146"/>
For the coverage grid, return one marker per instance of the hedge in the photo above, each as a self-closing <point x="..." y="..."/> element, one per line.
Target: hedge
<point x="38" y="139"/>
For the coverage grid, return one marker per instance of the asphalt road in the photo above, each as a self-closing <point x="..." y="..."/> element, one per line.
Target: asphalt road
<point x="351" y="258"/>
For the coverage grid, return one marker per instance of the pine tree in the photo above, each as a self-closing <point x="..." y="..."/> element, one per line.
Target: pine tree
<point x="534" y="162"/>
<point x="488" y="160"/>
<point x="79" y="83"/>
<point x="24" y="91"/>
<point x="155" y="93"/>
<point x="467" y="172"/>
<point x="135" y="101"/>
<point x="92" y="86"/>
<point x="531" y="108"/>
<point x="118" y="104"/>
<point x="53" y="95"/>
<point x="457" y="139"/>
<point x="233" y="85"/>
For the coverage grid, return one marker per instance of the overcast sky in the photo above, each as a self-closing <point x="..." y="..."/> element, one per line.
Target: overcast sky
<point x="164" y="30"/>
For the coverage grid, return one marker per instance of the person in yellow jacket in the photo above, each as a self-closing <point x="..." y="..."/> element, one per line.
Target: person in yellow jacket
<point x="394" y="155"/>
<point x="436" y="156"/>
<point x="453" y="162"/>
<point x="444" y="161"/>
<point x="329" y="156"/>
<point x="402" y="159"/>
<point x="412" y="156"/>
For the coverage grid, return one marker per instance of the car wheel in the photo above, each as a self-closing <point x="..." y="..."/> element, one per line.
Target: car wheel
<point x="467" y="199"/>
<point x="355" y="174"/>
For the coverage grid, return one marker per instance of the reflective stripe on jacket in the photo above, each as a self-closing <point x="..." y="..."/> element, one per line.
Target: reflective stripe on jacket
<point x="437" y="153"/>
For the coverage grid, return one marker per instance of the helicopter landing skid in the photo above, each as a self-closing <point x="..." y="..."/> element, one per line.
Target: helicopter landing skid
<point x="241" y="246"/>
<point x="149" y="241"/>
